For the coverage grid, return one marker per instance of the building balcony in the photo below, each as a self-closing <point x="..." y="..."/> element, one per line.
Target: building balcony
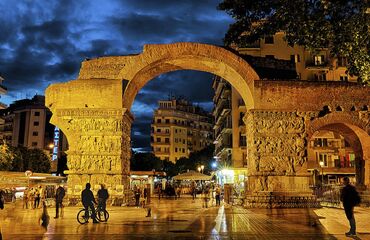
<point x="160" y="134"/>
<point x="160" y="144"/>
<point x="312" y="65"/>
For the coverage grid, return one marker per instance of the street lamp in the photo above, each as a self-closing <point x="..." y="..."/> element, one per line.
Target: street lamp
<point x="322" y="171"/>
<point x="199" y="169"/>
<point x="202" y="168"/>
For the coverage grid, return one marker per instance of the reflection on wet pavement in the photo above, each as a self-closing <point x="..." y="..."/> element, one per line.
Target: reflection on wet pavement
<point x="171" y="219"/>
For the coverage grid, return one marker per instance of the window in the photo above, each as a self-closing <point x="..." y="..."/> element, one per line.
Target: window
<point x="342" y="61"/>
<point x="167" y="130"/>
<point x="35" y="134"/>
<point x="344" y="78"/>
<point x="36" y="114"/>
<point x="34" y="144"/>
<point x="183" y="141"/>
<point x="167" y="120"/>
<point x="159" y="140"/>
<point x="175" y="149"/>
<point x="319" y="60"/>
<point x="175" y="130"/>
<point x="295" y="58"/>
<point x="269" y="40"/>
<point x="167" y="140"/>
<point x="159" y="120"/>
<point x="242" y="141"/>
<point x="323" y="157"/>
<point x="36" y="123"/>
<point x="183" y="150"/>
<point x="320" y="77"/>
<point x="158" y="130"/>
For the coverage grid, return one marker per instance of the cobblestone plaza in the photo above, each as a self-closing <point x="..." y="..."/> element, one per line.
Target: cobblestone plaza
<point x="186" y="219"/>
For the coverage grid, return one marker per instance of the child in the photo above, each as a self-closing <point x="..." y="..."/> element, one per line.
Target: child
<point x="45" y="218"/>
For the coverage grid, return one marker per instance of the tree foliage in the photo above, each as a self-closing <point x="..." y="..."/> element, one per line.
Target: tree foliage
<point x="342" y="26"/>
<point x="20" y="159"/>
<point x="148" y="162"/>
<point x="6" y="157"/>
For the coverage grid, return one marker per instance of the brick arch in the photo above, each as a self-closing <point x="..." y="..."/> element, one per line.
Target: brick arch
<point x="354" y="130"/>
<point x="159" y="59"/>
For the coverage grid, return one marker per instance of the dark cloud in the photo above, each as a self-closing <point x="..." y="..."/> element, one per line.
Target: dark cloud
<point x="44" y="42"/>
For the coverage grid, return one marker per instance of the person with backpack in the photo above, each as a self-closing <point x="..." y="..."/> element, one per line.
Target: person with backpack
<point x="350" y="198"/>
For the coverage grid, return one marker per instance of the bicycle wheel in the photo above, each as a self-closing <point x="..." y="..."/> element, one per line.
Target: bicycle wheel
<point x="102" y="215"/>
<point x="81" y="217"/>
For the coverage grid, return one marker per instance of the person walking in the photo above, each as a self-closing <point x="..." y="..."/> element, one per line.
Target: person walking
<point x="60" y="193"/>
<point x="37" y="198"/>
<point x="350" y="198"/>
<point x="103" y="197"/>
<point x="25" y="198"/>
<point x="137" y="197"/>
<point x="218" y="195"/>
<point x="88" y="200"/>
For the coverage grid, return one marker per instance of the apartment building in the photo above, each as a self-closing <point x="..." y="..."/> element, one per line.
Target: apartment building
<point x="312" y="66"/>
<point x="269" y="57"/>
<point x="179" y="128"/>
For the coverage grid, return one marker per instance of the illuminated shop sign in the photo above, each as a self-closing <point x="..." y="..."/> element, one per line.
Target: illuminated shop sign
<point x="56" y="144"/>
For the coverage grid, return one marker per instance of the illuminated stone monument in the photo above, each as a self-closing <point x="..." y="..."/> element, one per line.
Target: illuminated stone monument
<point x="94" y="113"/>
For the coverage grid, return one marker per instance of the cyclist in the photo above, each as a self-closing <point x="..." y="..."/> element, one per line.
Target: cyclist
<point x="102" y="197"/>
<point x="88" y="201"/>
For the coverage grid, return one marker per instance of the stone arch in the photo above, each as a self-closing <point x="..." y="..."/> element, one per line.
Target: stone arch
<point x="355" y="131"/>
<point x="157" y="59"/>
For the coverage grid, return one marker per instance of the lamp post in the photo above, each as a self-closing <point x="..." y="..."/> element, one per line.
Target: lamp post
<point x="202" y="168"/>
<point x="322" y="172"/>
<point x="199" y="169"/>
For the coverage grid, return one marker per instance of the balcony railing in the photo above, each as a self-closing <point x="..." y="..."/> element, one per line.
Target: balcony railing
<point x="317" y="64"/>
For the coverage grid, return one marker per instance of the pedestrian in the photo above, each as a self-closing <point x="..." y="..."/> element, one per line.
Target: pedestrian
<point x="102" y="197"/>
<point x="2" y="199"/>
<point x="88" y="201"/>
<point x="137" y="197"/>
<point x="25" y="198"/>
<point x="159" y="191"/>
<point x="37" y="198"/>
<point x="44" y="218"/>
<point x="350" y="198"/>
<point x="60" y="193"/>
<point x="218" y="195"/>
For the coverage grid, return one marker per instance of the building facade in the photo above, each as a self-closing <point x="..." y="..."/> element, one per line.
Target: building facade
<point x="318" y="66"/>
<point x="179" y="128"/>
<point x="312" y="66"/>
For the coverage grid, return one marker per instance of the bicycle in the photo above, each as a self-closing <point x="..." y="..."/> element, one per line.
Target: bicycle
<point x="101" y="215"/>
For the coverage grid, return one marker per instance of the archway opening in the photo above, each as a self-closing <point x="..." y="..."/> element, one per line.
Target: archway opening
<point x="337" y="150"/>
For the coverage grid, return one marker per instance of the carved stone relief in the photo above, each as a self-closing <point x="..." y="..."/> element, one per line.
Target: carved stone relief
<point x="277" y="142"/>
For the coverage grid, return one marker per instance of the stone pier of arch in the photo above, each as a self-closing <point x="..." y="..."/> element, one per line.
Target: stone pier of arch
<point x="94" y="113"/>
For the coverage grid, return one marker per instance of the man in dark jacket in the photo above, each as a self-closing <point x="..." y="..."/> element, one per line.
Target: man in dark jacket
<point x="60" y="193"/>
<point x="102" y="197"/>
<point x="350" y="198"/>
<point x="88" y="201"/>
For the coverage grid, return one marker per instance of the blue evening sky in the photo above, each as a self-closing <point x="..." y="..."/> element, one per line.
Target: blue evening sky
<point x="44" y="42"/>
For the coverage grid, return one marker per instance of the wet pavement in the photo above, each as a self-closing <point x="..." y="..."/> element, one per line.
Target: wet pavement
<point x="185" y="219"/>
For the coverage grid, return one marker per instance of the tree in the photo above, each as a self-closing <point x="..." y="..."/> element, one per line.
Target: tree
<point x="6" y="157"/>
<point x="342" y="26"/>
<point x="144" y="161"/>
<point x="36" y="160"/>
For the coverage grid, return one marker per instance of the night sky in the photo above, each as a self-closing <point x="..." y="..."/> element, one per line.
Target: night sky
<point x="44" y="42"/>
